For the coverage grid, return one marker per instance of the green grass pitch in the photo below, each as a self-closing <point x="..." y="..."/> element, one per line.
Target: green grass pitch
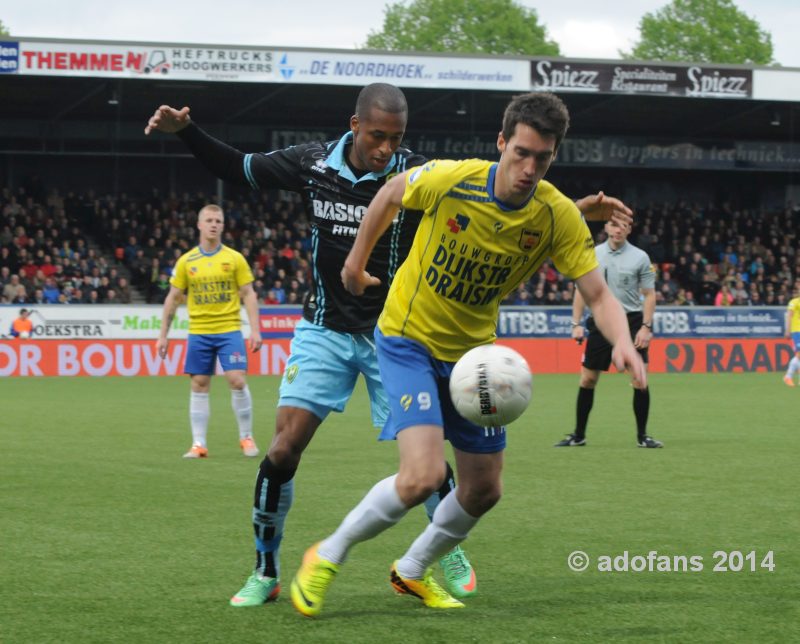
<point x="109" y="536"/>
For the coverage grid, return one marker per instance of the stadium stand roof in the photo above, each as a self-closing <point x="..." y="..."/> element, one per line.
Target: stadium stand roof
<point x="94" y="97"/>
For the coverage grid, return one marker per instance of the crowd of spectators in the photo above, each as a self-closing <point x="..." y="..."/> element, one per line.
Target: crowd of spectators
<point x="712" y="255"/>
<point x="46" y="256"/>
<point x="148" y="236"/>
<point x="93" y="248"/>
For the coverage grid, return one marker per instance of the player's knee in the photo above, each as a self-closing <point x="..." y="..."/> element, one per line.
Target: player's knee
<point x="284" y="456"/>
<point x="201" y="384"/>
<point x="237" y="381"/>
<point x="417" y="484"/>
<point x="284" y="452"/>
<point x="478" y="500"/>
<point x="589" y="380"/>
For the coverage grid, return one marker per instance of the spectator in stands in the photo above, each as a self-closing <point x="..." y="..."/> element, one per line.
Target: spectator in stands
<point x="538" y="295"/>
<point x="132" y="249"/>
<point x="103" y="287"/>
<point x="123" y="291"/>
<point x="159" y="289"/>
<point x="739" y="292"/>
<point x="724" y="297"/>
<point x="681" y="298"/>
<point x="47" y="267"/>
<point x="28" y="269"/>
<point x="7" y="258"/>
<point x="50" y="291"/>
<point x="278" y="291"/>
<point x="521" y="297"/>
<point x="21" y="296"/>
<point x="669" y="287"/>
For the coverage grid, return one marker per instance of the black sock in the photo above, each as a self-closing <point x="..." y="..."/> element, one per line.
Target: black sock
<point x="449" y="483"/>
<point x="641" y="409"/>
<point x="584" y="406"/>
<point x="265" y="506"/>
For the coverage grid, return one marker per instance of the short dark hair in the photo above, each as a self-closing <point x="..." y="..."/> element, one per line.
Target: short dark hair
<point x="382" y="96"/>
<point x="543" y="111"/>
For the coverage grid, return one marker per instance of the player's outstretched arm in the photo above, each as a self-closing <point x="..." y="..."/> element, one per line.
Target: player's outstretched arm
<point x="168" y="119"/>
<point x="601" y="207"/>
<point x="612" y="323"/>
<point x="225" y="161"/>
<point x="380" y="213"/>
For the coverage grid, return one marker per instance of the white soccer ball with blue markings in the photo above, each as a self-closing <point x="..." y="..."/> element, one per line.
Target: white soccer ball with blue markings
<point x="491" y="385"/>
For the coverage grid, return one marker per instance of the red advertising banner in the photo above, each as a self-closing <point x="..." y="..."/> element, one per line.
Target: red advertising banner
<point x="667" y="356"/>
<point x="118" y="358"/>
<point x="139" y="358"/>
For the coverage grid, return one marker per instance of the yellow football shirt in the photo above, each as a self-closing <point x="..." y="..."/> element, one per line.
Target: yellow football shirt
<point x="470" y="251"/>
<point x="794" y="307"/>
<point x="211" y="282"/>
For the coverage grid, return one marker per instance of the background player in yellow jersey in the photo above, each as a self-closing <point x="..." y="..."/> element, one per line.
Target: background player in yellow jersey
<point x="486" y="227"/>
<point x="216" y="280"/>
<point x="793" y="332"/>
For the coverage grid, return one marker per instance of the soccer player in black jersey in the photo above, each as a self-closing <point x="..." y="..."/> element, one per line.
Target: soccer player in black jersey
<point x="333" y="342"/>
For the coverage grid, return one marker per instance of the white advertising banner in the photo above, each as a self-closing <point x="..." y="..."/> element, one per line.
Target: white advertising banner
<point x="259" y="65"/>
<point x="180" y="62"/>
<point x="87" y="322"/>
<point x="354" y="68"/>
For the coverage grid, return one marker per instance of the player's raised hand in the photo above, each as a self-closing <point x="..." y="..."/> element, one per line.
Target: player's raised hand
<point x="168" y="119"/>
<point x="601" y="207"/>
<point x="357" y="281"/>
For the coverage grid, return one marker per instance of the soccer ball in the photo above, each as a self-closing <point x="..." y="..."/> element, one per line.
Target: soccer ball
<point x="24" y="335"/>
<point x="491" y="385"/>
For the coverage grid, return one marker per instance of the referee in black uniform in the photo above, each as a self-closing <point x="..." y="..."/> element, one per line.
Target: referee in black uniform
<point x="631" y="277"/>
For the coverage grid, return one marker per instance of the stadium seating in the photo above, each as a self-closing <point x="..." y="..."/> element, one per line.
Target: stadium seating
<point x="57" y="246"/>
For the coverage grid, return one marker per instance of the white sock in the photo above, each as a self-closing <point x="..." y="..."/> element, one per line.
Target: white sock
<point x="199" y="411"/>
<point x="380" y="509"/>
<point x="242" y="404"/>
<point x="449" y="527"/>
<point x="794" y="365"/>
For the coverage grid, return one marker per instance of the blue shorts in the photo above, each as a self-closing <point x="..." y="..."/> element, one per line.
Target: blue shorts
<point x="322" y="370"/>
<point x="796" y="341"/>
<point x="418" y="386"/>
<point x="203" y="349"/>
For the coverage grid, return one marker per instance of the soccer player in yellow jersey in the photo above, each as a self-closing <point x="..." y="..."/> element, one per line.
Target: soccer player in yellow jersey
<point x="216" y="280"/>
<point x="793" y="332"/>
<point x="486" y="227"/>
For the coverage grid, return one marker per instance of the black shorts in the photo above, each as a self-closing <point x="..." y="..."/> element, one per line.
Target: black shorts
<point x="597" y="355"/>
